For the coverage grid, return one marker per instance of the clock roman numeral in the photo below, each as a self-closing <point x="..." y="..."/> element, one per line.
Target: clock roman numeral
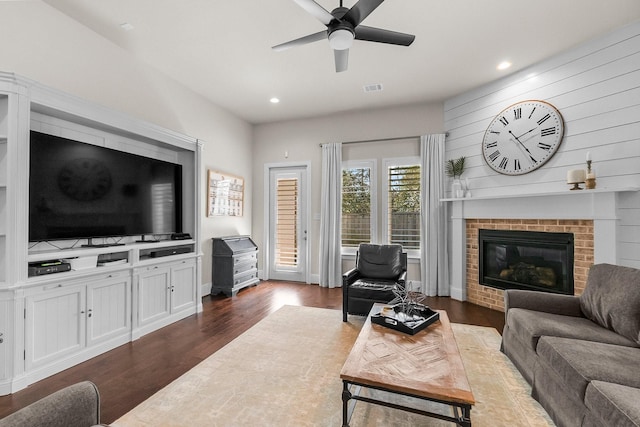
<point x="493" y="156"/>
<point x="504" y="162"/>
<point x="495" y="132"/>
<point x="517" y="113"/>
<point x="544" y="146"/>
<point x="531" y="114"/>
<point x="548" y="131"/>
<point x="504" y="120"/>
<point x="516" y="164"/>
<point x="492" y="144"/>
<point x="544" y="119"/>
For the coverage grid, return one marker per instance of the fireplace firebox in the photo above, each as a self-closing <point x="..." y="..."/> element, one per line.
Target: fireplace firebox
<point x="510" y="259"/>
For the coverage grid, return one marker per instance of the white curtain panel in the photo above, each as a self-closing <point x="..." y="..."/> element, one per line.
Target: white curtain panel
<point x="330" y="216"/>
<point x="434" y="263"/>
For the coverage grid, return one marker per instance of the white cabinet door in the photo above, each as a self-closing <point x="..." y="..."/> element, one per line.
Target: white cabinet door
<point x="108" y="309"/>
<point x="4" y="340"/>
<point x="55" y="325"/>
<point x="183" y="285"/>
<point x="154" y="295"/>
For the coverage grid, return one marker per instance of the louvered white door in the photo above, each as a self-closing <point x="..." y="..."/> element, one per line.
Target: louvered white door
<point x="288" y="228"/>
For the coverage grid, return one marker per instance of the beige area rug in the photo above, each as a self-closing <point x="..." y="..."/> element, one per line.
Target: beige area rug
<point x="285" y="371"/>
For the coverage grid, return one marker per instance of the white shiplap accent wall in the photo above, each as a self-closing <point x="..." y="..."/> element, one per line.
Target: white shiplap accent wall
<point x="596" y="87"/>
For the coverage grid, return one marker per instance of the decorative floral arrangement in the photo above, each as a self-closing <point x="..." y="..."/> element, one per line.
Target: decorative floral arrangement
<point x="408" y="302"/>
<point x="455" y="167"/>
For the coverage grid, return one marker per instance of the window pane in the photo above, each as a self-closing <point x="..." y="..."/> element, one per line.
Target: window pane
<point x="356" y="206"/>
<point x="404" y="206"/>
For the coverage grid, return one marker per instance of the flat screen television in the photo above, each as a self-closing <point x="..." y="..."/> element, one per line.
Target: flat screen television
<point x="82" y="191"/>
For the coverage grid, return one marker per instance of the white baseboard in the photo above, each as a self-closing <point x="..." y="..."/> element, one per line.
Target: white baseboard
<point x="206" y="289"/>
<point x="458" y="294"/>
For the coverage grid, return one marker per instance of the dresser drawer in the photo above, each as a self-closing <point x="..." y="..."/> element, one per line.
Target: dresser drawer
<point x="247" y="276"/>
<point x="241" y="269"/>
<point x="245" y="258"/>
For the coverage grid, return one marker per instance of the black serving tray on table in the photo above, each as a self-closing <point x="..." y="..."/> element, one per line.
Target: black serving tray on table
<point x="392" y="317"/>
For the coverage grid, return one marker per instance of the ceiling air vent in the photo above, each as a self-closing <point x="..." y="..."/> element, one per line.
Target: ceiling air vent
<point x="373" y="88"/>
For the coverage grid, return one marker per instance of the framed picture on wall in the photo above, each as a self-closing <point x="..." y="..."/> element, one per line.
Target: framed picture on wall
<point x="225" y="194"/>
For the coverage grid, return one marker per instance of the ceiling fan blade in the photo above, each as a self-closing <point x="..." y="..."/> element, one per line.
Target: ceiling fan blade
<point x="379" y="35"/>
<point x="316" y="10"/>
<point x="302" y="40"/>
<point x="361" y="10"/>
<point x="342" y="59"/>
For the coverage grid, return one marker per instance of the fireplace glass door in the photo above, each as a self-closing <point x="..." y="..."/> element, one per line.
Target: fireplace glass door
<point x="526" y="260"/>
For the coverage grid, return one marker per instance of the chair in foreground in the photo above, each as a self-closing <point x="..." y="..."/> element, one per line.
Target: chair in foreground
<point x="379" y="270"/>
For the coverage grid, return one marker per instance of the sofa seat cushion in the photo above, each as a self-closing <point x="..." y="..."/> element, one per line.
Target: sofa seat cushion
<point x="529" y="326"/>
<point x="613" y="404"/>
<point x="612" y="299"/>
<point x="577" y="362"/>
<point x="373" y="289"/>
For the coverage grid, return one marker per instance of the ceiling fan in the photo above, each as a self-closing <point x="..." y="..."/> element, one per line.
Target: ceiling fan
<point x="343" y="26"/>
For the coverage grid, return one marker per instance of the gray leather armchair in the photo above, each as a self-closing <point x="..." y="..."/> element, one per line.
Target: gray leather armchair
<point x="379" y="270"/>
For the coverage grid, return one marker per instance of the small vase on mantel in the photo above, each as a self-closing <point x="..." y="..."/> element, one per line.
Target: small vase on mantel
<point x="454" y="168"/>
<point x="457" y="190"/>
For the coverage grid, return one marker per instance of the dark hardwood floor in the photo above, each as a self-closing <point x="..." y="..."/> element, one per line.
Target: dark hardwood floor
<point x="131" y="373"/>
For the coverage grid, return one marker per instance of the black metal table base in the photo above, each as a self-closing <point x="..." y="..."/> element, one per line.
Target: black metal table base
<point x="461" y="417"/>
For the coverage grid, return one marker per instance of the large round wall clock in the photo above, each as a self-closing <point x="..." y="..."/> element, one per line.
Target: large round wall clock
<point x="84" y="179"/>
<point x="523" y="137"/>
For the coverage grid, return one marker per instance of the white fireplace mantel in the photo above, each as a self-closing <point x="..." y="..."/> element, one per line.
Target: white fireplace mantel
<point x="599" y="205"/>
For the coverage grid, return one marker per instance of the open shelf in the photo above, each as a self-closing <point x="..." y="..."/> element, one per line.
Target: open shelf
<point x="87" y="251"/>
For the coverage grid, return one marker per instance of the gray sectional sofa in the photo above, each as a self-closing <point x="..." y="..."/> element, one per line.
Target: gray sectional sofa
<point x="75" y="406"/>
<point x="581" y="354"/>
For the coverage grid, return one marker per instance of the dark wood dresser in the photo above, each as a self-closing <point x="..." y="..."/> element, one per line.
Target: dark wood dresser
<point x="235" y="264"/>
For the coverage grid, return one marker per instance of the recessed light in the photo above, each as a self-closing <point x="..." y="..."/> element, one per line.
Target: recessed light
<point x="126" y="26"/>
<point x="274" y="100"/>
<point x="504" y="65"/>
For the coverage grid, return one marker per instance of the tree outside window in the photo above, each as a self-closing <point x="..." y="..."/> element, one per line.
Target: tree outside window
<point x="404" y="205"/>
<point x="356" y="206"/>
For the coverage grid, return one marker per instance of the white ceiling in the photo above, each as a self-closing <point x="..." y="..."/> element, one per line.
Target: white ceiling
<point x="222" y="49"/>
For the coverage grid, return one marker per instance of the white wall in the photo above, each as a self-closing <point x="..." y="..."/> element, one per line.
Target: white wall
<point x="38" y="42"/>
<point x="302" y="139"/>
<point x="596" y="87"/>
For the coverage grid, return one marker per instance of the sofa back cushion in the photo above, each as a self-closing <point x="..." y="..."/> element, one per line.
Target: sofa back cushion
<point x="380" y="261"/>
<point x="612" y="299"/>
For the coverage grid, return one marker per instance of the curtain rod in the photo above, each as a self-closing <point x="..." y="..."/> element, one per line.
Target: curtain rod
<point x="385" y="139"/>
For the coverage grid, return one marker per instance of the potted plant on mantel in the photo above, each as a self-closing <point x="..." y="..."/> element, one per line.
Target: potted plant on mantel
<point x="455" y="169"/>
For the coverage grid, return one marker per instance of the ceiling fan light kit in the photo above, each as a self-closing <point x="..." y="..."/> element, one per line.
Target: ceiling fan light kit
<point x="343" y="26"/>
<point x="341" y="39"/>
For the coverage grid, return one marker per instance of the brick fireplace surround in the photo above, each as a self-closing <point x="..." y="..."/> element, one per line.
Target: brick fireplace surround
<point x="592" y="216"/>
<point x="493" y="298"/>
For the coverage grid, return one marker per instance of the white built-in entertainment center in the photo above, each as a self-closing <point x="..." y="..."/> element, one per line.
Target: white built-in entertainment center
<point x="118" y="290"/>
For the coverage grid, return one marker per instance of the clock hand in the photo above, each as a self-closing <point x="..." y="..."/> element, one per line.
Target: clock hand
<point x="529" y="131"/>
<point x="523" y="146"/>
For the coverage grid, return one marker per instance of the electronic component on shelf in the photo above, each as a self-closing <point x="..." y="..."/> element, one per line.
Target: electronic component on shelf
<point x="170" y="251"/>
<point x="40" y="268"/>
<point x="180" y="236"/>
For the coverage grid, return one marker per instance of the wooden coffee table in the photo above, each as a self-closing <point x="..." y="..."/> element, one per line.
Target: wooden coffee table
<point x="424" y="366"/>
